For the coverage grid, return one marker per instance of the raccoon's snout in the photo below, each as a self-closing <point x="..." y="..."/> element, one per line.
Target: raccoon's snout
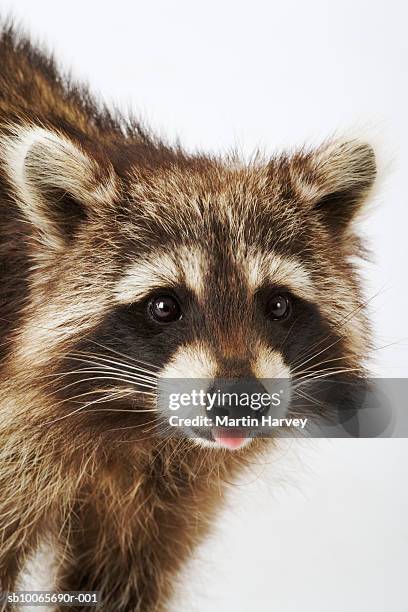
<point x="229" y="398"/>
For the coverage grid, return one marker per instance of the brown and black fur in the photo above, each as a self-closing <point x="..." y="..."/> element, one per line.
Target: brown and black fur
<point x="125" y="507"/>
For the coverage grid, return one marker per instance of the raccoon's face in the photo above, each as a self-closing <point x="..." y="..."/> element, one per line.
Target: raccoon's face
<point x="195" y="269"/>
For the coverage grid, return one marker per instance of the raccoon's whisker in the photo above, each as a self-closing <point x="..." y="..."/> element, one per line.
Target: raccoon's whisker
<point x="96" y="360"/>
<point x="156" y="423"/>
<point x="288" y="334"/>
<point x="102" y="370"/>
<point x="135" y="411"/>
<point x="72" y="398"/>
<point x="312" y="372"/>
<point x="395" y="343"/>
<point x="141" y="381"/>
<point x="312" y="377"/>
<point x="319" y="353"/>
<point x="328" y="372"/>
<point x="75" y="411"/>
<point x="175" y="450"/>
<point x="107" y="392"/>
<point x="165" y="428"/>
<point x="314" y="401"/>
<point x="83" y="406"/>
<point x="77" y="382"/>
<point x="104" y="359"/>
<point x="147" y="380"/>
<point x="343" y="357"/>
<point x="338" y="326"/>
<point x="107" y="348"/>
<point x="160" y="447"/>
<point x="97" y="378"/>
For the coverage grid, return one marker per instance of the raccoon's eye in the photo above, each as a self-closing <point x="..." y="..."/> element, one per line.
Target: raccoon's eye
<point x="164" y="309"/>
<point x="278" y="307"/>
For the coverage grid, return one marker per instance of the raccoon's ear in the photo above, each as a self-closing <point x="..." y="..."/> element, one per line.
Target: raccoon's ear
<point x="342" y="175"/>
<point x="56" y="184"/>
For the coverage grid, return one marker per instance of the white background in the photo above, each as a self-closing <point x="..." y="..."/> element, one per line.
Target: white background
<point x="324" y="526"/>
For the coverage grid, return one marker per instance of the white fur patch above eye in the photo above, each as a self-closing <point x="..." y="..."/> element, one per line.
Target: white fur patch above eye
<point x="161" y="270"/>
<point x="278" y="270"/>
<point x="193" y="264"/>
<point x="144" y="276"/>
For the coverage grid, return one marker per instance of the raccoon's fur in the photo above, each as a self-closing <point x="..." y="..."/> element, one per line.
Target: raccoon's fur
<point x="97" y="215"/>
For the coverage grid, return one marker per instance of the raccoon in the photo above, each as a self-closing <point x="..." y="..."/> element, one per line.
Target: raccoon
<point x="125" y="260"/>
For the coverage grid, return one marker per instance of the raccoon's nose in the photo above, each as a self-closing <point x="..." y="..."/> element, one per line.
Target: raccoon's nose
<point x="239" y="398"/>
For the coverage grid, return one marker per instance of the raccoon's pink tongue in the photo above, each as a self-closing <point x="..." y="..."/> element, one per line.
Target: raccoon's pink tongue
<point x="229" y="437"/>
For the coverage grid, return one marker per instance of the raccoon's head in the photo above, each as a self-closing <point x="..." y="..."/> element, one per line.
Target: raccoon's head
<point x="182" y="267"/>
